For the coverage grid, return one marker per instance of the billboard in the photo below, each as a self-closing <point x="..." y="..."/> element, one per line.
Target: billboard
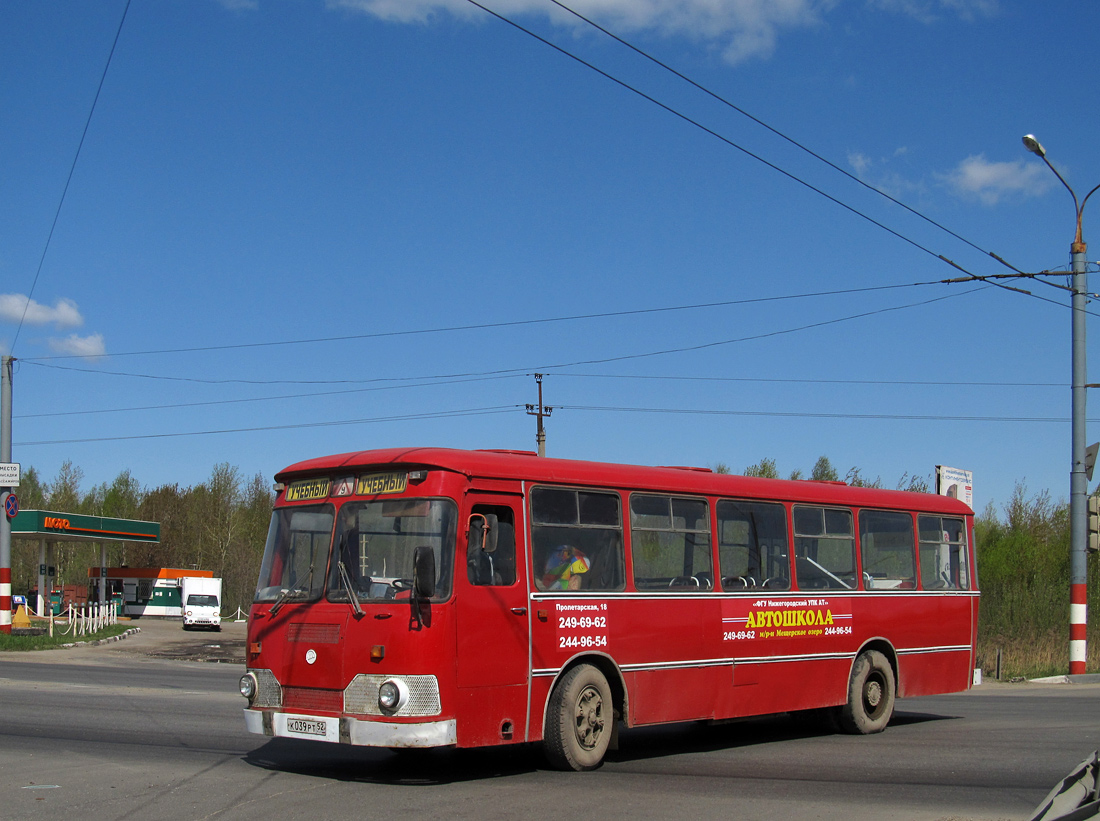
<point x="956" y="483"/>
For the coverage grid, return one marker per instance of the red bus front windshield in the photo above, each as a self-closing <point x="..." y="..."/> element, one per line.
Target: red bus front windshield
<point x="367" y="547"/>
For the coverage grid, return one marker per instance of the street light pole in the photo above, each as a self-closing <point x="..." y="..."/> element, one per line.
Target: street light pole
<point x="1078" y="481"/>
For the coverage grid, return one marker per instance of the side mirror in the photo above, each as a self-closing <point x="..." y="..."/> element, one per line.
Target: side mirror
<point x="423" y="572"/>
<point x="482" y="533"/>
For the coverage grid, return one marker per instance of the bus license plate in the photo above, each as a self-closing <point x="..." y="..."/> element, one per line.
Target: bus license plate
<point x="307" y="726"/>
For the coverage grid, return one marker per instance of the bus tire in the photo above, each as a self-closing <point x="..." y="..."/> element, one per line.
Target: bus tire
<point x="871" y="691"/>
<point x="580" y="720"/>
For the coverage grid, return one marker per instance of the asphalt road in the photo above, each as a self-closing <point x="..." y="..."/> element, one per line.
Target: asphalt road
<point x="129" y="731"/>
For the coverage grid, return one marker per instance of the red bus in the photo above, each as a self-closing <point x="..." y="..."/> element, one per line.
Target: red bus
<point x="429" y="597"/>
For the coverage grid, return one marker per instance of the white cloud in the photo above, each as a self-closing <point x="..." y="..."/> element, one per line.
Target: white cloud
<point x="860" y="163"/>
<point x="745" y="29"/>
<point x="929" y="11"/>
<point x="73" y="345"/>
<point x="18" y="308"/>
<point x="748" y="28"/>
<point x="990" y="181"/>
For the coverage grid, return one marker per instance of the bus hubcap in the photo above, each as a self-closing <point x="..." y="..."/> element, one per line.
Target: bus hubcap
<point x="589" y="717"/>
<point x="873" y="694"/>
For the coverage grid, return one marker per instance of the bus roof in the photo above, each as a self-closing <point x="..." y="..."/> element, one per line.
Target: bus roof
<point x="525" y="465"/>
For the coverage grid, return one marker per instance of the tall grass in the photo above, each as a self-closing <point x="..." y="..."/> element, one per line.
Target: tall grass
<point x="1024" y="575"/>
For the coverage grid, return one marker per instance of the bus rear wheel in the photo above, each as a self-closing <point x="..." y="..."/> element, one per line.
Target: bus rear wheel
<point x="579" y="720"/>
<point x="871" y="690"/>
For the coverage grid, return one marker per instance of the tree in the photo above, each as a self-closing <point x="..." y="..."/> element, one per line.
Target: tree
<point x="824" y="471"/>
<point x="32" y="493"/>
<point x="764" y="469"/>
<point x="856" y="479"/>
<point x="63" y="494"/>
<point x="913" y="483"/>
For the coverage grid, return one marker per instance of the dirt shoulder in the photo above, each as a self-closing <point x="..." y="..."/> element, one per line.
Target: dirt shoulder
<point x="158" y="638"/>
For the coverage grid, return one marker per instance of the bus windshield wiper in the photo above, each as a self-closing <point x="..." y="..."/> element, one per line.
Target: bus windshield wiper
<point x="290" y="591"/>
<point x="345" y="580"/>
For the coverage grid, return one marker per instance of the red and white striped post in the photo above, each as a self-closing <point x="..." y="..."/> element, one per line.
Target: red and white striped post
<point x="1078" y="626"/>
<point x="5" y="523"/>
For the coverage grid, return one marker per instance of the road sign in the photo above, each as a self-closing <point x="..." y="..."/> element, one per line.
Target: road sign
<point x="11" y="505"/>
<point x="9" y="474"/>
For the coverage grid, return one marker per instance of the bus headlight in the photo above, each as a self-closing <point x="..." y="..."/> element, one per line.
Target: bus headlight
<point x="248" y="686"/>
<point x="393" y="694"/>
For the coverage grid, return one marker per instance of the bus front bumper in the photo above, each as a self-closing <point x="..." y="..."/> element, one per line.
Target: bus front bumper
<point x="345" y="730"/>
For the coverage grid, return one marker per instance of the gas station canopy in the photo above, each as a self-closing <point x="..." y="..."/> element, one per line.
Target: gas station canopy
<point x="75" y="527"/>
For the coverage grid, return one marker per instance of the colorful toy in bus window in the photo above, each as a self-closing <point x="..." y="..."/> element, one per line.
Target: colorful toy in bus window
<point x="564" y="567"/>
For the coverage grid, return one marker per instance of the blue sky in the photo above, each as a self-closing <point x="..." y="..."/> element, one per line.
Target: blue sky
<point x="297" y="228"/>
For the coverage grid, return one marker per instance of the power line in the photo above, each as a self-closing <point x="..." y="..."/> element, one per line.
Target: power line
<point x="793" y="381"/>
<point x="280" y="397"/>
<point x="566" y="374"/>
<point x="516" y="371"/>
<point x="778" y="133"/>
<point x="69" y="178"/>
<point x="493" y="325"/>
<point x="297" y="426"/>
<point x="664" y="106"/>
<point x="907" y="417"/>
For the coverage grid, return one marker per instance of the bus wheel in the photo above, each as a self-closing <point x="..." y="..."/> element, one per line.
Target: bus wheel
<point x="870" y="695"/>
<point x="580" y="720"/>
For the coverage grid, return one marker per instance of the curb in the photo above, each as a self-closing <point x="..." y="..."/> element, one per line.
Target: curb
<point x="1085" y="678"/>
<point x="132" y="631"/>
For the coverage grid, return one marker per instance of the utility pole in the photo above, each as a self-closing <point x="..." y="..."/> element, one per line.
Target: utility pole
<point x="5" y="522"/>
<point x="540" y="412"/>
<point x="1078" y="480"/>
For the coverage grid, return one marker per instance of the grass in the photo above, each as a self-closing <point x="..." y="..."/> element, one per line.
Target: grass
<point x="45" y="642"/>
<point x="1032" y="654"/>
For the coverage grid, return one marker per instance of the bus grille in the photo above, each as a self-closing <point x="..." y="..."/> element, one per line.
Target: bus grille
<point x="269" y="693"/>
<point x="308" y="699"/>
<point x="313" y="633"/>
<point x="361" y="696"/>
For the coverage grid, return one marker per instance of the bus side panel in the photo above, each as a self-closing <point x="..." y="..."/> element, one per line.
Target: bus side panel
<point x="666" y="641"/>
<point x="935" y="656"/>
<point x="763" y="688"/>
<point x="540" y="695"/>
<point x="684" y="694"/>
<point x="926" y="674"/>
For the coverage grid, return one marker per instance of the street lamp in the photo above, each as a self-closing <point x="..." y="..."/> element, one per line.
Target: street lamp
<point x="1078" y="481"/>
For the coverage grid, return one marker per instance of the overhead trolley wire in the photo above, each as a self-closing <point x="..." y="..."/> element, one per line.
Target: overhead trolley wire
<point x="819" y="415"/>
<point x="776" y="131"/>
<point x="69" y="178"/>
<point x="707" y="130"/>
<point x="523" y="370"/>
<point x="296" y="426"/>
<point x="511" y="323"/>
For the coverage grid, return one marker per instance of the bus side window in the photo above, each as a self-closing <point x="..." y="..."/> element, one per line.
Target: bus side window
<point x="496" y="567"/>
<point x="670" y="543"/>
<point x="943" y="559"/>
<point x="577" y="539"/>
<point x="886" y="548"/>
<point x="824" y="548"/>
<point x="753" y="550"/>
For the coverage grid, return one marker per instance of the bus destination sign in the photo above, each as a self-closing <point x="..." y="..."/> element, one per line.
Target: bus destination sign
<point x="308" y="489"/>
<point x="373" y="484"/>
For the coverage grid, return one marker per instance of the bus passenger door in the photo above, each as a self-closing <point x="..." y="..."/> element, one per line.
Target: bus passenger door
<point x="493" y="628"/>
